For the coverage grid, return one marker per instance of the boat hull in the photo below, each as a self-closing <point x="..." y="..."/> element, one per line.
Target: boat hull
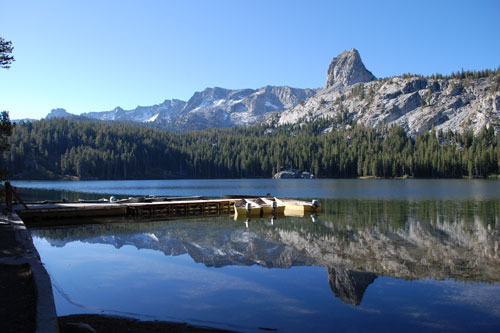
<point x="279" y="208"/>
<point x="247" y="208"/>
<point x="298" y="207"/>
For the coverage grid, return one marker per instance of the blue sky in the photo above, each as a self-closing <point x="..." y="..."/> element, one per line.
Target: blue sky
<point x="96" y="55"/>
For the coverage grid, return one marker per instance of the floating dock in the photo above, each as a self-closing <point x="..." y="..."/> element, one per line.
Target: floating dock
<point x="150" y="207"/>
<point x="209" y="207"/>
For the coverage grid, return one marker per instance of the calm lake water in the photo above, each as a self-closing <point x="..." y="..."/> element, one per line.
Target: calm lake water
<point x="476" y="189"/>
<point x="385" y="255"/>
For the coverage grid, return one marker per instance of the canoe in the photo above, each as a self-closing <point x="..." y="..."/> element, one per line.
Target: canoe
<point x="279" y="208"/>
<point x="294" y="207"/>
<point x="245" y="207"/>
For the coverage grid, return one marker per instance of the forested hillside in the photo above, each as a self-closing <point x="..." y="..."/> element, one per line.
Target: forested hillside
<point x="64" y="148"/>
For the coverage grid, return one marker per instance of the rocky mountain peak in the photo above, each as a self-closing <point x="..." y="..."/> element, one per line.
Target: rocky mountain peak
<point x="347" y="69"/>
<point x="59" y="112"/>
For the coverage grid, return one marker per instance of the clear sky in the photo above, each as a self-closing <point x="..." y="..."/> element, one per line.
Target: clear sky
<point x="96" y="55"/>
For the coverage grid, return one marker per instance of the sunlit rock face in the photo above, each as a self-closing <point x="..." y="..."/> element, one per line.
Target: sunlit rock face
<point x="212" y="108"/>
<point x="347" y="69"/>
<point x="415" y="103"/>
<point x="59" y="113"/>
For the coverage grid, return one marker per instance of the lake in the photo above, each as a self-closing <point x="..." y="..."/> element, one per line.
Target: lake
<point x="410" y="189"/>
<point x="384" y="255"/>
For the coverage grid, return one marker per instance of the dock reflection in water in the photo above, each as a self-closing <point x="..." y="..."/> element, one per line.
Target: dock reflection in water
<point x="429" y="265"/>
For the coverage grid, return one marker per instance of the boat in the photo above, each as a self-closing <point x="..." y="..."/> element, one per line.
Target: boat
<point x="267" y="208"/>
<point x="240" y="218"/>
<point x="278" y="208"/>
<point x="246" y="207"/>
<point x="240" y="208"/>
<point x="253" y="208"/>
<point x="298" y="207"/>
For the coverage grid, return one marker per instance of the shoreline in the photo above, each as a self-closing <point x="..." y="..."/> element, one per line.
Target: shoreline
<point x="18" y="250"/>
<point x="75" y="178"/>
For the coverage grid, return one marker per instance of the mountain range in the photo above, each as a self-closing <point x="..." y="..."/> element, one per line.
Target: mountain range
<point x="465" y="101"/>
<point x="210" y="108"/>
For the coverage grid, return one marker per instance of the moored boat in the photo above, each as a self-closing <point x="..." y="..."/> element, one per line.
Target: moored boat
<point x="246" y="207"/>
<point x="240" y="208"/>
<point x="299" y="207"/>
<point x="267" y="209"/>
<point x="279" y="208"/>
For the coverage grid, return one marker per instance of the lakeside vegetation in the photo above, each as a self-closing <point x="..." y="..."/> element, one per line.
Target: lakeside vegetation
<point x="65" y="148"/>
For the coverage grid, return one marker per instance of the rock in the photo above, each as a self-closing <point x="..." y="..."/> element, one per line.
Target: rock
<point x="145" y="114"/>
<point x="59" y="113"/>
<point x="414" y="85"/>
<point x="347" y="69"/>
<point x="288" y="174"/>
<point x="293" y="174"/>
<point x="456" y="90"/>
<point x="412" y="102"/>
<point x="351" y="92"/>
<point x="212" y="108"/>
<point x="306" y="175"/>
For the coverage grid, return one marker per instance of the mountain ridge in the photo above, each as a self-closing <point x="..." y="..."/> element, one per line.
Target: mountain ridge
<point x="462" y="101"/>
<point x="211" y="108"/>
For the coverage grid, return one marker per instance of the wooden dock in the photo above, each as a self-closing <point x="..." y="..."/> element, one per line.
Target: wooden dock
<point x="149" y="207"/>
<point x="210" y="207"/>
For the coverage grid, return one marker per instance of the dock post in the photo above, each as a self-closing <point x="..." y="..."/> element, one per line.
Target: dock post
<point x="8" y="196"/>
<point x="315" y="204"/>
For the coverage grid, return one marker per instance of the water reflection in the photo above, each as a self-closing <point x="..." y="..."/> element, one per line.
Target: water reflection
<point x="356" y="241"/>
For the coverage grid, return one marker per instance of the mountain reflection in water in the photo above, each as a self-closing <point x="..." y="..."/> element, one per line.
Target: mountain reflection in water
<point x="355" y="241"/>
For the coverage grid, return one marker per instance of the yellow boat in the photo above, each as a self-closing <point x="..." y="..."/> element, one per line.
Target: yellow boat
<point x="240" y="217"/>
<point x="240" y="209"/>
<point x="279" y="208"/>
<point x="298" y="207"/>
<point x="246" y="207"/>
<point x="267" y="209"/>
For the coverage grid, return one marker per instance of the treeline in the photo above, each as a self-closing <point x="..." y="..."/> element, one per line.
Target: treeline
<point x="467" y="75"/>
<point x="58" y="148"/>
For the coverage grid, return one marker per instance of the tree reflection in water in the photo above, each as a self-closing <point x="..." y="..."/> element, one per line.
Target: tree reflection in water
<point x="356" y="240"/>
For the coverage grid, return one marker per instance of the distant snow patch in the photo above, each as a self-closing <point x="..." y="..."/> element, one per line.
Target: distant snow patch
<point x="153" y="118"/>
<point x="271" y="105"/>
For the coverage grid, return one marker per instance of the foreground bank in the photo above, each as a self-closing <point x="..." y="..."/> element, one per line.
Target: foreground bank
<point x="27" y="299"/>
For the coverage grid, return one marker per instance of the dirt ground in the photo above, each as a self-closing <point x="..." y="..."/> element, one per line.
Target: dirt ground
<point x="17" y="288"/>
